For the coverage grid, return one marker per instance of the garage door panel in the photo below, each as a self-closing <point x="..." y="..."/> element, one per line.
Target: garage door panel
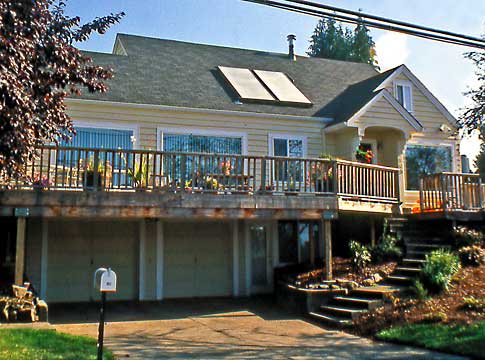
<point x="197" y="260"/>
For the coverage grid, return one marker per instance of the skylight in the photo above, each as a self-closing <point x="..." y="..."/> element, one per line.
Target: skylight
<point x="264" y="86"/>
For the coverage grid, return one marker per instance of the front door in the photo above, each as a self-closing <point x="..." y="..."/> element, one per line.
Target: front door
<point x="260" y="267"/>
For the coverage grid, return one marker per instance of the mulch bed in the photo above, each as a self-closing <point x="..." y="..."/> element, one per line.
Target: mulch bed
<point x="446" y="308"/>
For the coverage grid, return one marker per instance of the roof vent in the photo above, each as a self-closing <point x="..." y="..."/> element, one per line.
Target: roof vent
<point x="291" y="46"/>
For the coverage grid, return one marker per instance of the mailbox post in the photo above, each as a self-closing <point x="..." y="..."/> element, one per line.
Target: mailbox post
<point x="105" y="282"/>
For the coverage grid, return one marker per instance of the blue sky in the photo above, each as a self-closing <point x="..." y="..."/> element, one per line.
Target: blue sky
<point x="239" y="24"/>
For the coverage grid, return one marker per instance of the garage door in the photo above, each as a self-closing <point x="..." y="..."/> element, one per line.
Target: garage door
<point x="77" y="248"/>
<point x="197" y="258"/>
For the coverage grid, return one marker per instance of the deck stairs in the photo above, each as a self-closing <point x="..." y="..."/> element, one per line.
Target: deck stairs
<point x="419" y="239"/>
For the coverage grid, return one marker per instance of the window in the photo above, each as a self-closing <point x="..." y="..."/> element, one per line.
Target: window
<point x="97" y="138"/>
<point x="189" y="143"/>
<point x="293" y="147"/>
<point x="294" y="241"/>
<point x="404" y="95"/>
<point x="421" y="160"/>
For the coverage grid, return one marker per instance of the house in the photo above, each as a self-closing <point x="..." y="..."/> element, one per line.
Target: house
<point x="198" y="173"/>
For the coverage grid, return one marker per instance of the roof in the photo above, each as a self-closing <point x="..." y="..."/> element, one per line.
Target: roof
<point x="175" y="73"/>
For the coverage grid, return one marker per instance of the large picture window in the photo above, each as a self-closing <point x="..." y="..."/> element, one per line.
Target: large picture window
<point x="422" y="160"/>
<point x="207" y="144"/>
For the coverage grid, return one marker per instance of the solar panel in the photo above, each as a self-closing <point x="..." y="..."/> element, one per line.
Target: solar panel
<point x="282" y="87"/>
<point x="246" y="84"/>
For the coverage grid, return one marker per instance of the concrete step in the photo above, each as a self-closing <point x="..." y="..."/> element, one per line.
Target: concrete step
<point x="356" y="302"/>
<point x="342" y="311"/>
<point x="330" y="319"/>
<point x="399" y="280"/>
<point x="426" y="246"/>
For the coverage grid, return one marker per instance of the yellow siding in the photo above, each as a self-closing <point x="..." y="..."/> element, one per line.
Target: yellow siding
<point x="148" y="120"/>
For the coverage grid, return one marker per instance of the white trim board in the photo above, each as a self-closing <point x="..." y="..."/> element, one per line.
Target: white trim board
<point x="110" y="125"/>
<point x="202" y="132"/>
<point x="403" y="69"/>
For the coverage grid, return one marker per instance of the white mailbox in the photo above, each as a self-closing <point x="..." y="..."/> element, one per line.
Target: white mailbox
<point x="105" y="280"/>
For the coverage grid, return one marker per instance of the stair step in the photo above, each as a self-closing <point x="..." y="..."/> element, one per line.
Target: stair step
<point x="369" y="304"/>
<point x="399" y="279"/>
<point x="335" y="320"/>
<point x="428" y="246"/>
<point x="376" y="292"/>
<point x="342" y="311"/>
<point x="412" y="270"/>
<point x="419" y="262"/>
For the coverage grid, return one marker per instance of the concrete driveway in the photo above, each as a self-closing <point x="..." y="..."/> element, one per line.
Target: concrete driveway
<point x="229" y="329"/>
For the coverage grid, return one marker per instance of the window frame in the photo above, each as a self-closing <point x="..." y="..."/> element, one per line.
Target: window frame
<point x="111" y="126"/>
<point x="429" y="143"/>
<point x="405" y="83"/>
<point x="287" y="137"/>
<point x="187" y="131"/>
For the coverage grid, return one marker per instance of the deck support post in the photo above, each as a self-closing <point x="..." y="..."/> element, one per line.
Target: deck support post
<point x="327" y="230"/>
<point x="20" y="251"/>
<point x="373" y="231"/>
<point x="312" y="245"/>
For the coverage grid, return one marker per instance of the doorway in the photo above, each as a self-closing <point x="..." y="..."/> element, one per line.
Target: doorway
<point x="7" y="253"/>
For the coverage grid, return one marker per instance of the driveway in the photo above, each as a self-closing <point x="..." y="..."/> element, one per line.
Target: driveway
<point x="229" y="329"/>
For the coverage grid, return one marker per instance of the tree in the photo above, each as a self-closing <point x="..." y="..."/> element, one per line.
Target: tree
<point x="39" y="68"/>
<point x="480" y="159"/>
<point x="332" y="41"/>
<point x="473" y="118"/>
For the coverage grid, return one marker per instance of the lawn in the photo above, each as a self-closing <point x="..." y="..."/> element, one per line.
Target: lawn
<point x="459" y="339"/>
<point x="33" y="344"/>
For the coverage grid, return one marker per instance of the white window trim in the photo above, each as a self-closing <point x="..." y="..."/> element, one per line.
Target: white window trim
<point x="286" y="136"/>
<point x="408" y="84"/>
<point x="185" y="131"/>
<point x="111" y="126"/>
<point x="430" y="143"/>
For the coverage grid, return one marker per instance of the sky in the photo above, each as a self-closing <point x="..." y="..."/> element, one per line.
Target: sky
<point x="441" y="67"/>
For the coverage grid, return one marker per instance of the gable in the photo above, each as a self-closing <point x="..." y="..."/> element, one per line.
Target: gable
<point x="383" y="113"/>
<point x="426" y="107"/>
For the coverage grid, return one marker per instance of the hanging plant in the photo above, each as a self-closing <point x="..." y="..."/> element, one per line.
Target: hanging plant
<point x="364" y="156"/>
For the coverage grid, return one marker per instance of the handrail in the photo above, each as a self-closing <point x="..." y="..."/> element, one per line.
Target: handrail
<point x="82" y="168"/>
<point x="447" y="191"/>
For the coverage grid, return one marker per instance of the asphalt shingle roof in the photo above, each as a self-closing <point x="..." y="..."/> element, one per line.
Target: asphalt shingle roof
<point x="174" y="73"/>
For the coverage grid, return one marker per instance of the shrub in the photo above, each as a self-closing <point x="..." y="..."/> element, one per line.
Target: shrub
<point x="474" y="304"/>
<point x="438" y="270"/>
<point x="420" y="291"/>
<point x="360" y="255"/>
<point x="472" y="255"/>
<point x="466" y="237"/>
<point x="435" y="317"/>
<point x="386" y="249"/>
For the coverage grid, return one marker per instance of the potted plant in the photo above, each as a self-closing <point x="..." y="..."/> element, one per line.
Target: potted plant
<point x="321" y="174"/>
<point x="364" y="156"/>
<point x="139" y="174"/>
<point x="40" y="183"/>
<point x="89" y="174"/>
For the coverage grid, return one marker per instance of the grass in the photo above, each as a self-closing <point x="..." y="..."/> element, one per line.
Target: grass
<point x="458" y="339"/>
<point x="16" y="344"/>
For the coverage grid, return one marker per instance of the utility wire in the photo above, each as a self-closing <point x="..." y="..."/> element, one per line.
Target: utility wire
<point x="381" y="23"/>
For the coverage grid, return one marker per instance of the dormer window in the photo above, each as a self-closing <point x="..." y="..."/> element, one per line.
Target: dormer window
<point x="403" y="92"/>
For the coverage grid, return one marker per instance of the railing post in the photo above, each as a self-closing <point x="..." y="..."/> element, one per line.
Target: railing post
<point x="95" y="170"/>
<point x="336" y="182"/>
<point x="480" y="194"/>
<point x="397" y="186"/>
<point x="421" y="193"/>
<point x="263" y="175"/>
<point x="183" y="163"/>
<point x="444" y="194"/>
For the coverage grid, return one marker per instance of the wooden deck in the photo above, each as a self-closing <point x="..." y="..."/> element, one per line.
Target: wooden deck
<point x="78" y="182"/>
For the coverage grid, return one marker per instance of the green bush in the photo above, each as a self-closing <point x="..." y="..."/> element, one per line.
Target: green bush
<point x="465" y="236"/>
<point x="474" y="304"/>
<point x="360" y="255"/>
<point x="420" y="291"/>
<point x="438" y="270"/>
<point x="386" y="249"/>
<point x="472" y="255"/>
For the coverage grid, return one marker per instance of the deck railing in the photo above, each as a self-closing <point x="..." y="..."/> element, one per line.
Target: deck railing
<point x="69" y="168"/>
<point x="451" y="192"/>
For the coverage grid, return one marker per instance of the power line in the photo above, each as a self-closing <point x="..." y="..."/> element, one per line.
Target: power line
<point x="381" y="23"/>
